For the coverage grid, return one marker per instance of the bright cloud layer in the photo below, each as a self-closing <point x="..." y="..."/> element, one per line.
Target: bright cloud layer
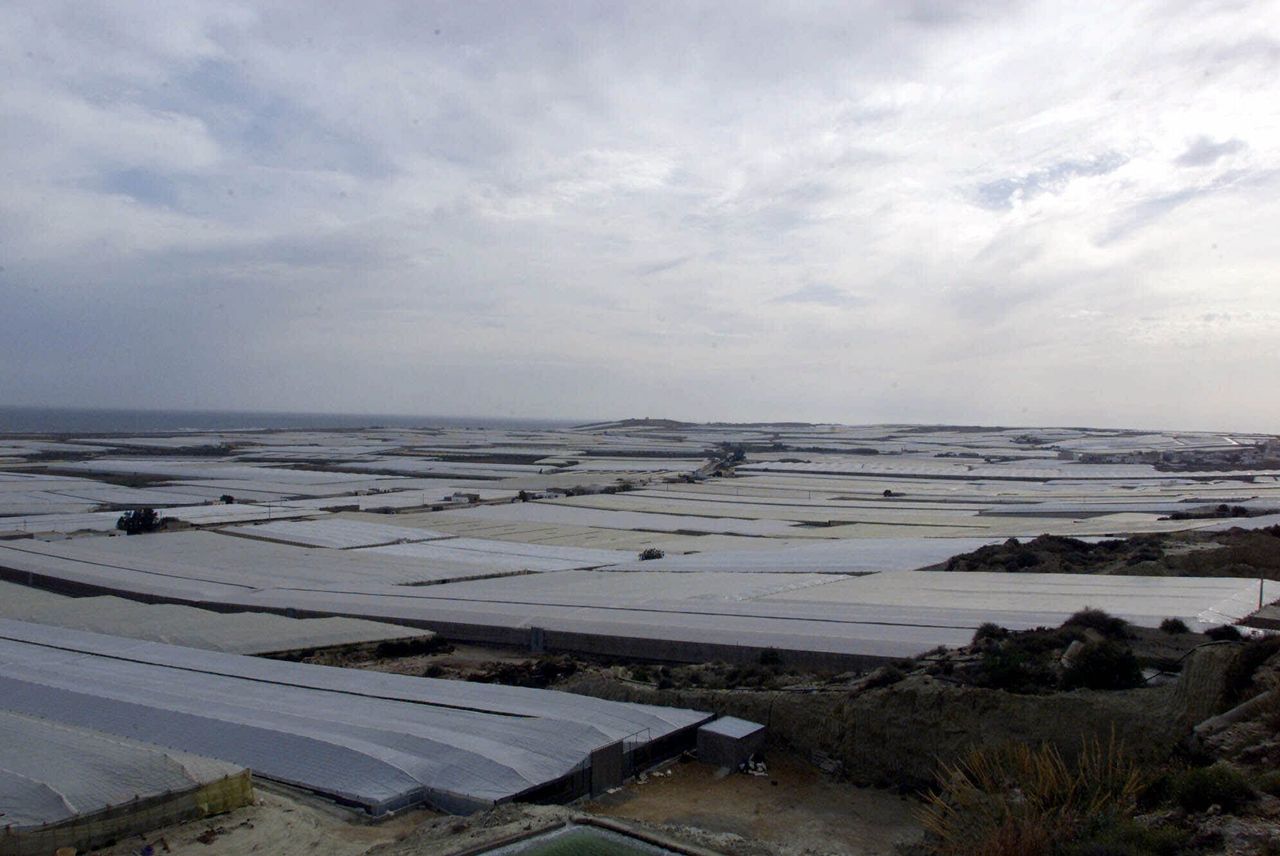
<point x="992" y="213"/>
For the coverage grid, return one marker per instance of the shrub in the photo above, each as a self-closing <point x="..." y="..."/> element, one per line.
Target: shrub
<point x="138" y="521"/>
<point x="1224" y="633"/>
<point x="1015" y="799"/>
<point x="747" y="676"/>
<point x="1043" y="641"/>
<point x="1103" y="665"/>
<point x="1269" y="783"/>
<point x="1174" y="625"/>
<point x="1095" y="619"/>
<point x="1011" y="668"/>
<point x="651" y="553"/>
<point x="884" y="676"/>
<point x="1199" y="788"/>
<point x="1115" y="836"/>
<point x="989" y="630"/>
<point x="1021" y="662"/>
<point x="770" y="657"/>
<point x="1020" y="560"/>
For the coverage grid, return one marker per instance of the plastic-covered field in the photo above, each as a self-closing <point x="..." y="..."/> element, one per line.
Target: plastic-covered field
<point x="375" y="740"/>
<point x="645" y="613"/>
<point x="209" y="560"/>
<point x="1027" y="600"/>
<point x="843" y="556"/>
<point x="427" y="467"/>
<point x="51" y="773"/>
<point x="544" y="512"/>
<point x="196" y="469"/>
<point x="196" y="515"/>
<point x="508" y="555"/>
<point x="335" y="533"/>
<point x="231" y="632"/>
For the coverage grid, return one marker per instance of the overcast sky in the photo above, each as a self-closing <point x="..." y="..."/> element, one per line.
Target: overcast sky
<point x="1014" y="213"/>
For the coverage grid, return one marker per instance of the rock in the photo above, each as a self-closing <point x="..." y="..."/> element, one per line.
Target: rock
<point x="1069" y="655"/>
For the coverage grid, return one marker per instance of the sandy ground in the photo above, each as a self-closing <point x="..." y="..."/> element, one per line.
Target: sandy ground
<point x="792" y="810"/>
<point x="277" y="826"/>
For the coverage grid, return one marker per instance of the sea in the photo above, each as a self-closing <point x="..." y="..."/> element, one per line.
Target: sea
<point x="60" y="420"/>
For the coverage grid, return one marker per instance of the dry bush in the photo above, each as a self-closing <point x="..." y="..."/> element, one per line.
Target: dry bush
<point x="1018" y="800"/>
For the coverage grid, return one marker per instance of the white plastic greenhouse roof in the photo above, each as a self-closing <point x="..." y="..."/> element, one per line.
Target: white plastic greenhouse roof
<point x="505" y="555"/>
<point x="556" y="513"/>
<point x="230" y="632"/>
<point x="335" y="533"/>
<point x="196" y="515"/>
<point x="51" y="772"/>
<point x="678" y="615"/>
<point x="376" y="740"/>
<point x="212" y="559"/>
<point x="837" y="556"/>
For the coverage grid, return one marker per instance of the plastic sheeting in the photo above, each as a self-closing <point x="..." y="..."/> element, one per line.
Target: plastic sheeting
<point x="843" y="556"/>
<point x="235" y="632"/>
<point x="336" y="533"/>
<point x="51" y="772"/>
<point x="196" y="515"/>
<point x="212" y="558"/>
<point x="650" y="614"/>
<point x="505" y="555"/>
<point x="377" y="740"/>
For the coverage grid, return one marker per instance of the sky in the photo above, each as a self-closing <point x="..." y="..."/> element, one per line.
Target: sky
<point x="1009" y="213"/>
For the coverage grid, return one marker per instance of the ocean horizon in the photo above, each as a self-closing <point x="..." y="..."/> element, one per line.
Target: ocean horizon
<point x="75" y="420"/>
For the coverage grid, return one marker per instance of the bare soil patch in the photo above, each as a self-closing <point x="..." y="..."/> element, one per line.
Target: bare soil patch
<point x="794" y="809"/>
<point x="278" y="825"/>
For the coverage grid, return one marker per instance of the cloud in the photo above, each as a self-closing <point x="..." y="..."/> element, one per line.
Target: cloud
<point x="1203" y="151"/>
<point x="603" y="208"/>
<point x="821" y="294"/>
<point x="1003" y="193"/>
<point x="1147" y="212"/>
<point x="662" y="265"/>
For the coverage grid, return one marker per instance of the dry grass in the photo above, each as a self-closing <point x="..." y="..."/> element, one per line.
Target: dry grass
<point x="1018" y="800"/>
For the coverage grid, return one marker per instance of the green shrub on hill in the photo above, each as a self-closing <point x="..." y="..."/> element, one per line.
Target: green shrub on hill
<point x="1103" y="665"/>
<point x="1105" y="623"/>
